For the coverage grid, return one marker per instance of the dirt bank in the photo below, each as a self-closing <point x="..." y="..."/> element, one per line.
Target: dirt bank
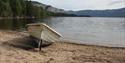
<point x="17" y="47"/>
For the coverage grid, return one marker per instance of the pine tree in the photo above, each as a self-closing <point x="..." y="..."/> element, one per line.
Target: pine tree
<point x="22" y="8"/>
<point x="5" y="8"/>
<point x="16" y="7"/>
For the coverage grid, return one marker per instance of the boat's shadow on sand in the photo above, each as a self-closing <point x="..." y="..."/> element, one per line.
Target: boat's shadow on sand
<point x="26" y="43"/>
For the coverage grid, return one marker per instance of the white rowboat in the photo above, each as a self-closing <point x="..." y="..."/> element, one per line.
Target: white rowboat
<point x="43" y="32"/>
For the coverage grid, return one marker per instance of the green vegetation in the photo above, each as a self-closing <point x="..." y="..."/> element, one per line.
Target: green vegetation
<point x="25" y="9"/>
<point x="21" y="8"/>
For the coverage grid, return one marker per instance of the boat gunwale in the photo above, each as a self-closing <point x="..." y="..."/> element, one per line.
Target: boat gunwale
<point x="40" y="24"/>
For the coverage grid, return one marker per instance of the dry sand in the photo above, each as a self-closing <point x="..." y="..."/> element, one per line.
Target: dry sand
<point x="17" y="47"/>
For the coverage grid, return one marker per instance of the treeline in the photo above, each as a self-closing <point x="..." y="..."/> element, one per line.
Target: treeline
<point x="21" y="8"/>
<point x="25" y="9"/>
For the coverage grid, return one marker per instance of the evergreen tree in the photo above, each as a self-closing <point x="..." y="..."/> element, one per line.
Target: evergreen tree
<point x="5" y="8"/>
<point x="23" y="8"/>
<point x="29" y="8"/>
<point x="23" y="4"/>
<point x="16" y="7"/>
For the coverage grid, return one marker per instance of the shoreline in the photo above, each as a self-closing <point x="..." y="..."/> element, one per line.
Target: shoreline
<point x="17" y="47"/>
<point x="97" y="45"/>
<point x="26" y="17"/>
<point x="16" y="17"/>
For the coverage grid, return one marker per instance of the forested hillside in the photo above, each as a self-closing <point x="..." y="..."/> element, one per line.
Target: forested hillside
<point x="23" y="8"/>
<point x="120" y="12"/>
<point x="20" y="8"/>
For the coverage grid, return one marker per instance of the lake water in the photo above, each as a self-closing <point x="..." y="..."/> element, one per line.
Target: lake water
<point x="91" y="30"/>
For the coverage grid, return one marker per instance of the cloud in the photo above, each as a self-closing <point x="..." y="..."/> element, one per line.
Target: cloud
<point x="117" y="2"/>
<point x="85" y="4"/>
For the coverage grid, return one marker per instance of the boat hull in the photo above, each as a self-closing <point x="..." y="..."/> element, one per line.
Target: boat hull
<point x="43" y="32"/>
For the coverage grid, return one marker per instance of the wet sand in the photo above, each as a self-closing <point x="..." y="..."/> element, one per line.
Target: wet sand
<point x="17" y="47"/>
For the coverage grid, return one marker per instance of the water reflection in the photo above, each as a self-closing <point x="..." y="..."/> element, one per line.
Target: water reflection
<point x="14" y="24"/>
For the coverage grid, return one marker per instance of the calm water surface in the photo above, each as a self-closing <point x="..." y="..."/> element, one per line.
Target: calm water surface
<point x="99" y="31"/>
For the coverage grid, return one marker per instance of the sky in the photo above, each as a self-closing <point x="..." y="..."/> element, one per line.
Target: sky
<point x="84" y="4"/>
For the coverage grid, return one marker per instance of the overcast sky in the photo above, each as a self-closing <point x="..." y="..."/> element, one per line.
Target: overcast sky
<point x="85" y="4"/>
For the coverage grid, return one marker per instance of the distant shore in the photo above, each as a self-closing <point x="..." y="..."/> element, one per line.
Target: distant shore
<point x="17" y="47"/>
<point x="17" y="17"/>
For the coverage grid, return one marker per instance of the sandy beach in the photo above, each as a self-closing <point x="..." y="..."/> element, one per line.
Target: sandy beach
<point x="17" y="47"/>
